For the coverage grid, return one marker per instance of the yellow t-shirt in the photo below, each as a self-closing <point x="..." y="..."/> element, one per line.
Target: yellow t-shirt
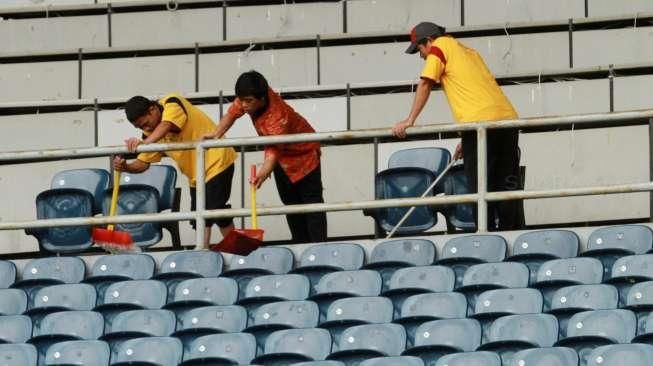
<point x="193" y="124"/>
<point x="472" y="91"/>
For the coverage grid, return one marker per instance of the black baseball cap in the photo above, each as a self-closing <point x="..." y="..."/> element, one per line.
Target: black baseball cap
<point x="422" y="31"/>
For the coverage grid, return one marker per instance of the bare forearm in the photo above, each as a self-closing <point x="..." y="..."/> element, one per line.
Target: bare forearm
<point x="161" y="130"/>
<point x="223" y="126"/>
<point x="135" y="166"/>
<point x="421" y="97"/>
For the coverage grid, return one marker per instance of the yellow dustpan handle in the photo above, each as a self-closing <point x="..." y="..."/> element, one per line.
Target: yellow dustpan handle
<point x="114" y="196"/>
<point x="252" y="198"/>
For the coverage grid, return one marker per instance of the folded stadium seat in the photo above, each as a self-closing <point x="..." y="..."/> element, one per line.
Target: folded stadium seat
<point x="490" y="276"/>
<point x="628" y="271"/>
<point x="151" y="351"/>
<point x="262" y="261"/>
<point x="548" y="356"/>
<point x="208" y="320"/>
<point x="406" y="282"/>
<point x="319" y="363"/>
<point x="139" y="323"/>
<point x="198" y="292"/>
<point x="113" y="268"/>
<point x="15" y="329"/>
<point x="87" y="353"/>
<point x="42" y="272"/>
<point x="164" y="179"/>
<point x="137" y="199"/>
<point x="494" y="304"/>
<point x="640" y="301"/>
<point x="512" y="333"/>
<point x="18" y="354"/>
<point x="591" y="329"/>
<point x="570" y="300"/>
<point x="289" y="346"/>
<point x="188" y="264"/>
<point x="536" y="247"/>
<point x="558" y="273"/>
<point x="470" y="359"/>
<point x="418" y="309"/>
<point x="337" y="285"/>
<point x="66" y="326"/>
<point x="55" y="298"/>
<point x="462" y="252"/>
<point x="7" y="274"/>
<point x="389" y="256"/>
<point x="393" y="361"/>
<point x="610" y="243"/>
<point x="361" y="342"/>
<point x="437" y="338"/>
<point x="320" y="259"/>
<point x="622" y="354"/>
<point x="460" y="217"/>
<point x="13" y="301"/>
<point x="131" y="295"/>
<point x="220" y="349"/>
<point x="272" y="288"/>
<point x="347" y="312"/>
<point x="281" y="315"/>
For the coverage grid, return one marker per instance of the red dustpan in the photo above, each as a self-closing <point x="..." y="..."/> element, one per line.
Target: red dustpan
<point x="242" y="241"/>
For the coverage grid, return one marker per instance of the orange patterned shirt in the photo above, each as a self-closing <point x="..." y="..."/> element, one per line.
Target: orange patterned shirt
<point x="297" y="159"/>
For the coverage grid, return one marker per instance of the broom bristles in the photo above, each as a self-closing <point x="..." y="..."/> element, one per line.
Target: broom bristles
<point x="113" y="241"/>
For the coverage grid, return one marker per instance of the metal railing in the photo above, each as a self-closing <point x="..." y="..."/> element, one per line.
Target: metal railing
<point x="481" y="198"/>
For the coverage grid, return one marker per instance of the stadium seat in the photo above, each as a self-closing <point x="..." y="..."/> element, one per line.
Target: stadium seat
<point x="94" y="181"/>
<point x="198" y="292"/>
<point x="629" y="270"/>
<point x="406" y="282"/>
<point x="289" y="346"/>
<point x="337" y="285"/>
<point x="319" y="363"/>
<point x="462" y="252"/>
<point x="536" y="247"/>
<point x="640" y="301"/>
<point x="418" y="309"/>
<point x="160" y="351"/>
<point x="622" y="354"/>
<point x="494" y="304"/>
<point x="13" y="301"/>
<point x="7" y="274"/>
<point x="272" y="288"/>
<point x="460" y="217"/>
<point x="87" y="353"/>
<point x="262" y="261"/>
<point x="209" y="320"/>
<point x="558" y="273"/>
<point x="434" y="159"/>
<point x="489" y="276"/>
<point x="393" y="361"/>
<point x="361" y="342"/>
<point x="132" y="200"/>
<point x="437" y="338"/>
<point x="221" y="349"/>
<point x="113" y="268"/>
<point x="320" y="259"/>
<point x="42" y="272"/>
<point x="51" y="299"/>
<point x="470" y="359"/>
<point x="570" y="300"/>
<point x="347" y="312"/>
<point x="185" y="265"/>
<point x="139" y="323"/>
<point x="547" y="356"/>
<point x="610" y="243"/>
<point x="389" y="256"/>
<point x="15" y="329"/>
<point x="18" y="354"/>
<point x="131" y="295"/>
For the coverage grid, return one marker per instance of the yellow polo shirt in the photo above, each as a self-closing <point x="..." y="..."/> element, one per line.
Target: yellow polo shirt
<point x="193" y="124"/>
<point x="472" y="91"/>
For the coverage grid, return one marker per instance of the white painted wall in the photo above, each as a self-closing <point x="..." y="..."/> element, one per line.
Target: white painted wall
<point x="613" y="46"/>
<point x="38" y="81"/>
<point x="483" y="12"/>
<point x="607" y="8"/>
<point x="393" y="15"/>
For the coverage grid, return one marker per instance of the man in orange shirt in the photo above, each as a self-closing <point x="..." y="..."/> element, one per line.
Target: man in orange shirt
<point x="474" y="96"/>
<point x="296" y="166"/>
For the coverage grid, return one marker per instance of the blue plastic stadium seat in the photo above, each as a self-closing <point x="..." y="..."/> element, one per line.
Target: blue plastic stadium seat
<point x="437" y="338"/>
<point x="109" y="269"/>
<point x="470" y="359"/>
<point x="570" y="300"/>
<point x="221" y="349"/>
<point x="640" y="301"/>
<point x="393" y="361"/>
<point x="288" y="346"/>
<point x="459" y="217"/>
<point x="162" y="177"/>
<point x="406" y="282"/>
<point x="51" y="299"/>
<point x="337" y="285"/>
<point x="320" y="259"/>
<point x="139" y="323"/>
<point x="557" y="273"/>
<point x="87" y="353"/>
<point x="13" y="301"/>
<point x="629" y="270"/>
<point x="494" y="304"/>
<point x="7" y="274"/>
<point x="42" y="272"/>
<point x="262" y="261"/>
<point x="462" y="252"/>
<point x="389" y="256"/>
<point x="94" y="181"/>
<point x="622" y="354"/>
<point x="137" y="199"/>
<point x="536" y="247"/>
<point x="368" y="341"/>
<point x="434" y="159"/>
<point x="209" y="320"/>
<point x="160" y="351"/>
<point x="15" y="329"/>
<point x="489" y="276"/>
<point x="272" y="288"/>
<point x="609" y="243"/>
<point x="319" y="363"/>
<point x="198" y="292"/>
<point x="18" y="354"/>
<point x="547" y="356"/>
<point x="184" y="265"/>
<point x="131" y="295"/>
<point x="347" y="312"/>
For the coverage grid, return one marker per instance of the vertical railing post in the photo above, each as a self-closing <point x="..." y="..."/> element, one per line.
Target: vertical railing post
<point x="481" y="161"/>
<point x="200" y="189"/>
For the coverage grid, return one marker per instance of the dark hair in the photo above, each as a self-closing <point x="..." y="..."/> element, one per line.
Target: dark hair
<point x="251" y="84"/>
<point x="136" y="107"/>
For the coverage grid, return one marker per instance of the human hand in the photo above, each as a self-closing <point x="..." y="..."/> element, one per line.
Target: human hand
<point x="458" y="154"/>
<point x="119" y="163"/>
<point x="132" y="143"/>
<point x="399" y="129"/>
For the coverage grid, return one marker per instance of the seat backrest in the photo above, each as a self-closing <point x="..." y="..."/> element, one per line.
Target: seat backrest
<point x="76" y="296"/>
<point x="338" y="256"/>
<point x="154" y="323"/>
<point x="392" y="361"/>
<point x="511" y="301"/>
<point x="87" y="353"/>
<point x="409" y="252"/>
<point x="13" y="301"/>
<point x="460" y="216"/>
<point x="368" y="309"/>
<point x="590" y="297"/>
<point x="85" y="325"/>
<point x="137" y="199"/>
<point x="483" y="248"/>
<point x="59" y="204"/>
<point x="7" y="274"/>
<point x="161" y="351"/>
<point x="319" y="363"/>
<point x="63" y="269"/>
<point x="286" y="287"/>
<point x="482" y="358"/>
<point x="389" y="339"/>
<point x="539" y="330"/>
<point x="128" y="266"/>
<point x="462" y="334"/>
<point x="227" y="319"/>
<point x="216" y="291"/>
<point x="640" y="294"/>
<point x="428" y="278"/>
<point x="559" y="356"/>
<point x="269" y="260"/>
<point x="162" y="177"/>
<point x="363" y="282"/>
<point x="19" y="354"/>
<point x="622" y="354"/>
<point x="149" y="294"/>
<point x="239" y="348"/>
<point x="617" y="325"/>
<point x="444" y="305"/>
<point x="434" y="159"/>
<point x="202" y="263"/>
<point x="501" y="274"/>
<point x="633" y="266"/>
<point x="312" y="343"/>
<point x="94" y="181"/>
<point x="553" y="244"/>
<point x="293" y="314"/>
<point x="572" y="270"/>
<point x="15" y="329"/>
<point x="632" y="239"/>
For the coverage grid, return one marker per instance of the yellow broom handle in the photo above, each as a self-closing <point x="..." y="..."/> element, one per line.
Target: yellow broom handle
<point x="252" y="197"/>
<point x="114" y="196"/>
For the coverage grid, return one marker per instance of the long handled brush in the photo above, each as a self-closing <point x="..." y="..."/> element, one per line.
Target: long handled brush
<point x="111" y="240"/>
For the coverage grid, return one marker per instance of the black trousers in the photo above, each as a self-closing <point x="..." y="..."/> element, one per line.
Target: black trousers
<point x="309" y="227"/>
<point x="502" y="174"/>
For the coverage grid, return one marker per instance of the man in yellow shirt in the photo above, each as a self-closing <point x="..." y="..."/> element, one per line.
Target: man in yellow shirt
<point x="474" y="96"/>
<point x="175" y="119"/>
